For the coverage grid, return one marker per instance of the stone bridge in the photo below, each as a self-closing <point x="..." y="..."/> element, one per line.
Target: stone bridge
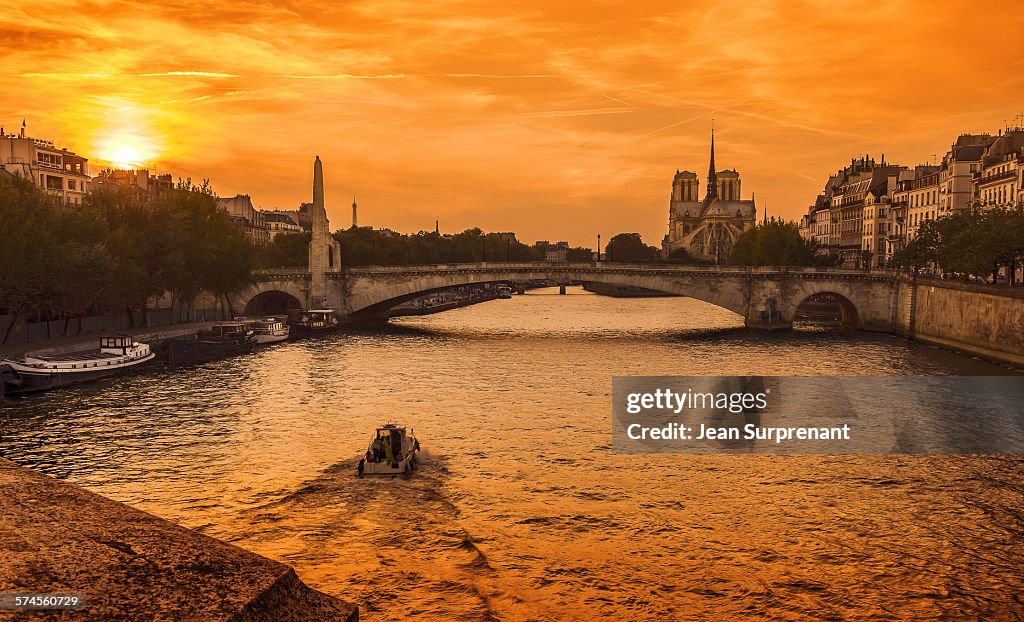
<point x="766" y="297"/>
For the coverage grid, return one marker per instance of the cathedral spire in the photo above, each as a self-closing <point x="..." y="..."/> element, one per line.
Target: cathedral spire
<point x="712" y="176"/>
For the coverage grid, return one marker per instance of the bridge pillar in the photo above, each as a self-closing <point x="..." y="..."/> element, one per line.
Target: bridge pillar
<point x="767" y="306"/>
<point x="768" y="321"/>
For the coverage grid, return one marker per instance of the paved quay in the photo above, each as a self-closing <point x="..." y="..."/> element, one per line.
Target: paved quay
<point x="130" y="565"/>
<point x="77" y="343"/>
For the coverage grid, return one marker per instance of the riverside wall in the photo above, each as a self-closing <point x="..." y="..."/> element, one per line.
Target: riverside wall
<point x="130" y="565"/>
<point x="982" y="320"/>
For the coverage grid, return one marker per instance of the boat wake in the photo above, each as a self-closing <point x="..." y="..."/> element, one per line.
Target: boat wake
<point x="392" y="545"/>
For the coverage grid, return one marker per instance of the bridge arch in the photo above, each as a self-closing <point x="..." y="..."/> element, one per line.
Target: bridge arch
<point x="274" y="296"/>
<point x="384" y="288"/>
<point x="271" y="302"/>
<point x="766" y="297"/>
<point x="849" y="317"/>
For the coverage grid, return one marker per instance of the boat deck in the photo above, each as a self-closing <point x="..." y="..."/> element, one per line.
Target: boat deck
<point x="76" y="356"/>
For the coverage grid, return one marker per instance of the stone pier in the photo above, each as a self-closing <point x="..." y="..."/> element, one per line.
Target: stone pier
<point x="131" y="565"/>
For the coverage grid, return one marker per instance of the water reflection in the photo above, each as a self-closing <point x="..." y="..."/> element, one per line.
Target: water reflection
<point x="521" y="511"/>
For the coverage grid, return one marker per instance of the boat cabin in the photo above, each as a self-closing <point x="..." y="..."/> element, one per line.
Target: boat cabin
<point x="314" y="318"/>
<point x="228" y="330"/>
<point x="116" y="345"/>
<point x="387" y="443"/>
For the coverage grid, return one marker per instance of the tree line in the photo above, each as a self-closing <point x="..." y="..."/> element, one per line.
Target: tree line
<point x="774" y="243"/>
<point x="116" y="251"/>
<point x="971" y="244"/>
<point x="362" y="246"/>
<point x="119" y="251"/>
<point x="778" y="242"/>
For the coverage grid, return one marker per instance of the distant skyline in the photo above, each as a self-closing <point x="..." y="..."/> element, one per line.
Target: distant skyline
<point x="556" y="121"/>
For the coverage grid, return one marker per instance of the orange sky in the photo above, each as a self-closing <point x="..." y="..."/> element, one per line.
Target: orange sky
<point x="556" y="120"/>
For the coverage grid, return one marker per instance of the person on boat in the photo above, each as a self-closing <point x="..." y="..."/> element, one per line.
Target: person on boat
<point x="388" y="452"/>
<point x="396" y="443"/>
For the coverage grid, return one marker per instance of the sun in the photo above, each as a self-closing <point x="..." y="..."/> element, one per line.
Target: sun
<point x="125" y="150"/>
<point x="126" y="156"/>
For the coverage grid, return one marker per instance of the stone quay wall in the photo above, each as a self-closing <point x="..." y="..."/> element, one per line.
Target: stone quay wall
<point x="982" y="320"/>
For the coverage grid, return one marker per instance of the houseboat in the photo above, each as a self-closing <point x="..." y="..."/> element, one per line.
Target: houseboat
<point x="116" y="355"/>
<point x="270" y="330"/>
<point x="222" y="340"/>
<point x="391" y="452"/>
<point x="307" y="323"/>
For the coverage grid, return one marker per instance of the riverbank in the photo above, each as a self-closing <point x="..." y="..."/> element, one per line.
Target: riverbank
<point x="976" y="320"/>
<point x="76" y="343"/>
<point x="127" y="564"/>
<point x="624" y="291"/>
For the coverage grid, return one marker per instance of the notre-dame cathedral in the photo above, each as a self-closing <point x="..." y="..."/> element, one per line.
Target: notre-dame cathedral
<point x="707" y="228"/>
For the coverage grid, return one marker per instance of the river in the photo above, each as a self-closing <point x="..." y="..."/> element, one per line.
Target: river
<point x="520" y="511"/>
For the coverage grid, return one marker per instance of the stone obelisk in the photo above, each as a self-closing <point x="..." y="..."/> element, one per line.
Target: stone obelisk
<point x="320" y="244"/>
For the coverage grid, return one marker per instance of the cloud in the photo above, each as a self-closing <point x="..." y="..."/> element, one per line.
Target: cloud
<point x="347" y="76"/>
<point x="196" y="74"/>
<point x="548" y="119"/>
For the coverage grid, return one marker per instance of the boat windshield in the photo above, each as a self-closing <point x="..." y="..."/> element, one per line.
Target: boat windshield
<point x="116" y="342"/>
<point x="229" y="330"/>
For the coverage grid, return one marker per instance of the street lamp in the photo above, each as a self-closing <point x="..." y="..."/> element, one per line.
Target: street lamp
<point x="599" y="247"/>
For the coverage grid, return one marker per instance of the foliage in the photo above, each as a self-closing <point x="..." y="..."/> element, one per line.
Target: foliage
<point x="579" y="254"/>
<point x="115" y="250"/>
<point x="362" y="246"/>
<point x="776" y="243"/>
<point x="683" y="256"/>
<point x="629" y="247"/>
<point x="286" y="250"/>
<point x="974" y="243"/>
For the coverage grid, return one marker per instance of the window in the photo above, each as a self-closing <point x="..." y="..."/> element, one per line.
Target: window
<point x="71" y="184"/>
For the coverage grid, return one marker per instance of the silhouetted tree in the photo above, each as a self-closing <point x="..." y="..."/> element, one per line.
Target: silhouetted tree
<point x="629" y="247"/>
<point x="777" y="243"/>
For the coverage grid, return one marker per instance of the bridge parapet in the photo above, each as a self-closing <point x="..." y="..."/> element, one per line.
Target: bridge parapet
<point x="766" y="297"/>
<point x="613" y="267"/>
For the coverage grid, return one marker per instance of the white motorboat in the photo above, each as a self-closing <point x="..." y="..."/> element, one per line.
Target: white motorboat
<point x="392" y="452"/>
<point x="270" y="330"/>
<point x="504" y="291"/>
<point x="39" y="373"/>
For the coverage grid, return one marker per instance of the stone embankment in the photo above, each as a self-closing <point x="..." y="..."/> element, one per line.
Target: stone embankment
<point x="981" y="320"/>
<point x="130" y="565"/>
<point x="77" y="343"/>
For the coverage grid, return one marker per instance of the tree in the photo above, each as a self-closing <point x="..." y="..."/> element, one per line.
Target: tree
<point x="629" y="247"/>
<point x="286" y="250"/>
<point x="368" y="246"/>
<point x="974" y="243"/>
<point x="579" y="254"/>
<point x="776" y="243"/>
<point x="683" y="256"/>
<point x="115" y="251"/>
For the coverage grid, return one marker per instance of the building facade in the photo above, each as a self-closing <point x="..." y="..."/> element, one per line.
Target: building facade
<point x="1000" y="172"/>
<point x="884" y="205"/>
<point x="242" y="212"/>
<point x="279" y="222"/>
<point x="139" y="181"/>
<point x="707" y="227"/>
<point x="59" y="172"/>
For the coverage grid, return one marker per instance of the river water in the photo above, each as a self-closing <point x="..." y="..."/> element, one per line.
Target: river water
<point x="520" y="511"/>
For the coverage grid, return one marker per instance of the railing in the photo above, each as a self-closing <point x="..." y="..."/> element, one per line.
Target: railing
<point x="991" y="179"/>
<point x="607" y="266"/>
